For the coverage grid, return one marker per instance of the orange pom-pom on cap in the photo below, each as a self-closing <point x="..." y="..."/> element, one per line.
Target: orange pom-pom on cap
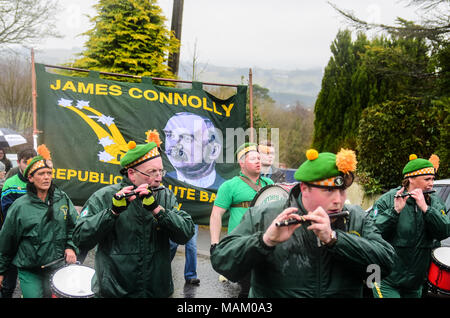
<point x="412" y="157"/>
<point x="346" y="160"/>
<point x="153" y="136"/>
<point x="435" y="161"/>
<point x="131" y="144"/>
<point x="312" y="154"/>
<point x="43" y="151"/>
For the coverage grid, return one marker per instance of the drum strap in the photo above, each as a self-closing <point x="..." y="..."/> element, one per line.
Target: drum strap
<point x="256" y="187"/>
<point x="252" y="185"/>
<point x="244" y="204"/>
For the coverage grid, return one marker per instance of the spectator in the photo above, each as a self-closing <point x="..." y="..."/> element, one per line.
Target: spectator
<point x="268" y="170"/>
<point x="6" y="161"/>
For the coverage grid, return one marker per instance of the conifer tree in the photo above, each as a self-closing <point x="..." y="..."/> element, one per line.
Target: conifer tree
<point x="129" y="37"/>
<point x="363" y="73"/>
<point x="335" y="100"/>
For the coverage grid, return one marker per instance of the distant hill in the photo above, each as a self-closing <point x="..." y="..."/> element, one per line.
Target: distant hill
<point x="285" y="87"/>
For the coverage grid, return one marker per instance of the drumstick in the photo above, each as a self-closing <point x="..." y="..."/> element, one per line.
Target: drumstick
<point x="53" y="263"/>
<point x="294" y="221"/>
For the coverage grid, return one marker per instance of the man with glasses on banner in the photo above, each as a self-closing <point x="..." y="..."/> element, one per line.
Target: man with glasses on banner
<point x="131" y="224"/>
<point x="192" y="146"/>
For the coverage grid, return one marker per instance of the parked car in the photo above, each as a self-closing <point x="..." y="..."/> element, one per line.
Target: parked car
<point x="442" y="188"/>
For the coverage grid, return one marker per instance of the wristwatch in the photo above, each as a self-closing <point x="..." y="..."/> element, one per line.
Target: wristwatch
<point x="332" y="241"/>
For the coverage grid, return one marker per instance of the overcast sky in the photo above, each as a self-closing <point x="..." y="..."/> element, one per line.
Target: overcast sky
<point x="284" y="34"/>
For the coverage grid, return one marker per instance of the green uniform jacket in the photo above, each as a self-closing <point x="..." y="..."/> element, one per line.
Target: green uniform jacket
<point x="28" y="240"/>
<point x="133" y="253"/>
<point x="13" y="188"/>
<point x="411" y="233"/>
<point x="299" y="267"/>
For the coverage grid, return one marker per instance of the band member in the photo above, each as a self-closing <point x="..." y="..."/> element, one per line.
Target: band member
<point x="131" y="224"/>
<point x="38" y="229"/>
<point x="410" y="220"/>
<point x="322" y="256"/>
<point x="14" y="188"/>
<point x="235" y="196"/>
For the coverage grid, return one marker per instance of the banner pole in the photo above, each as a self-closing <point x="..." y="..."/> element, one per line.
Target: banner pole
<point x="137" y="76"/>
<point x="250" y="85"/>
<point x="33" y="94"/>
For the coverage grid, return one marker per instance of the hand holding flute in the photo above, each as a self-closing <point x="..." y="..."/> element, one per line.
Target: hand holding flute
<point x="294" y="221"/>
<point x="409" y="194"/>
<point x="119" y="195"/>
<point x="277" y="233"/>
<point x="417" y="194"/>
<point x="122" y="199"/>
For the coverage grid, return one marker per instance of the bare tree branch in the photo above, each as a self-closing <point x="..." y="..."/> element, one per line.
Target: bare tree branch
<point x="27" y="21"/>
<point x="435" y="28"/>
<point x="15" y="92"/>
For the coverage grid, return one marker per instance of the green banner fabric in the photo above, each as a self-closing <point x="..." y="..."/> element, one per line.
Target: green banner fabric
<point x="87" y="122"/>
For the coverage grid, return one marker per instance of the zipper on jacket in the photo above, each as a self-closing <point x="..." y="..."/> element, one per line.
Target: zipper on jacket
<point x="319" y="269"/>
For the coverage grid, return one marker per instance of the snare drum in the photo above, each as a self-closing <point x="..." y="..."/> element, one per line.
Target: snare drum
<point x="72" y="281"/>
<point x="439" y="272"/>
<point x="272" y="192"/>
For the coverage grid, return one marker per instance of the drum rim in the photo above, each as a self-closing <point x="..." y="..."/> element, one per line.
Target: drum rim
<point x="59" y="292"/>
<point x="438" y="289"/>
<point x="438" y="263"/>
<point x="252" y="203"/>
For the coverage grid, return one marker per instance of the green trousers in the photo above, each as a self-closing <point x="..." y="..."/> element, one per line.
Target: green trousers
<point x="35" y="284"/>
<point x="385" y="290"/>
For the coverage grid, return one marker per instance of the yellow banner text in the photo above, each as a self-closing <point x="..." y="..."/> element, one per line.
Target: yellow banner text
<point x="86" y="176"/>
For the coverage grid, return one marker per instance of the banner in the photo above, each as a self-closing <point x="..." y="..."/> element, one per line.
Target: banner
<point x="87" y="122"/>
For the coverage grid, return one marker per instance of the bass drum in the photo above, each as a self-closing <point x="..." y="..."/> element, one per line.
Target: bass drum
<point x="272" y="192"/>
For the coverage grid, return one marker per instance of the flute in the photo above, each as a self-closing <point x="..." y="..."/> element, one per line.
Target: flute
<point x="294" y="221"/>
<point x="130" y="194"/>
<point x="409" y="194"/>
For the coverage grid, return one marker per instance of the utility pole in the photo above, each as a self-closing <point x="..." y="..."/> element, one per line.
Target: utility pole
<point x="177" y="21"/>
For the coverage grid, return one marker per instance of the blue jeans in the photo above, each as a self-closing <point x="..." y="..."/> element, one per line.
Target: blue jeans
<point x="190" y="265"/>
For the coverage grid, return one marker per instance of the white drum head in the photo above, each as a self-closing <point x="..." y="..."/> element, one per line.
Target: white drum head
<point x="74" y="280"/>
<point x="270" y="193"/>
<point x="442" y="255"/>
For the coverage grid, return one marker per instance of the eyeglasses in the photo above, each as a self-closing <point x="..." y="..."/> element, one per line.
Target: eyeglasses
<point x="152" y="173"/>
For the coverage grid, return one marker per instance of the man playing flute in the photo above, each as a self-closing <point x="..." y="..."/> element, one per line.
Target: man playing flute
<point x="323" y="257"/>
